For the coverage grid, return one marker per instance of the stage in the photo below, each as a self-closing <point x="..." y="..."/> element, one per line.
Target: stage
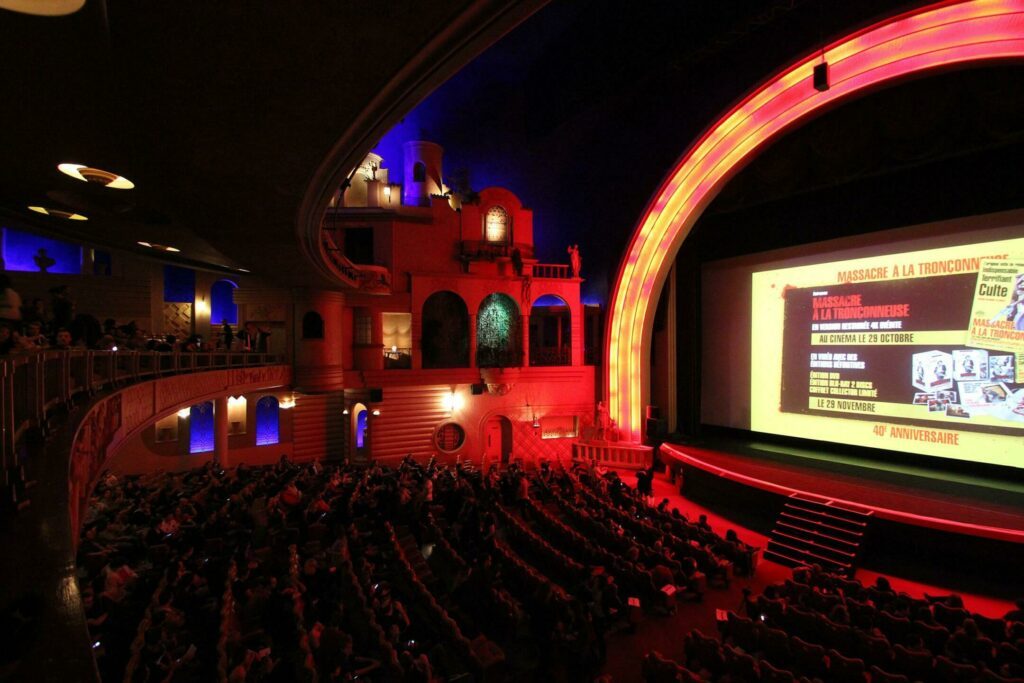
<point x="941" y="521"/>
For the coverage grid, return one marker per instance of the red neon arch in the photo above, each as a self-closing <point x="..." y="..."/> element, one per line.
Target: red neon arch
<point x="929" y="38"/>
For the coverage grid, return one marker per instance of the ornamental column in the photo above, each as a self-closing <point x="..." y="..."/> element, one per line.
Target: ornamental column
<point x="525" y="322"/>
<point x="220" y="432"/>
<point x="472" y="340"/>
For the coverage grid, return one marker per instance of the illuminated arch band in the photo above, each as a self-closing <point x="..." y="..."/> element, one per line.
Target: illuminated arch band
<point x="933" y="37"/>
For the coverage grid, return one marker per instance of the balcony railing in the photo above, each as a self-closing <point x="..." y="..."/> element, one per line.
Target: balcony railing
<point x="557" y="271"/>
<point x="481" y="249"/>
<point x="398" y="359"/>
<point x="33" y="385"/>
<point x="549" y="355"/>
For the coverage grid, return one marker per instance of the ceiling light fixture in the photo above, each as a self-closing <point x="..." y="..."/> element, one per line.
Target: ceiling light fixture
<point x="58" y="213"/>
<point x="158" y="247"/>
<point x="96" y="176"/>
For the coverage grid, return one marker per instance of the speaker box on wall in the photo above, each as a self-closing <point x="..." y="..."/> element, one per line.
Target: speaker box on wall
<point x="821" y="77"/>
<point x="376" y="395"/>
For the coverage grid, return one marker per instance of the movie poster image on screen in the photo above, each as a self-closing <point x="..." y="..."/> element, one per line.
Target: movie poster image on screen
<point x="956" y="411"/>
<point x="998" y="310"/>
<point x="932" y="371"/>
<point x="1001" y="369"/>
<point x="970" y="365"/>
<point x="983" y="397"/>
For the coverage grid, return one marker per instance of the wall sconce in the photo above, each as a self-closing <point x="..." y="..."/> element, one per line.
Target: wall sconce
<point x="345" y="412"/>
<point x="184" y="413"/>
<point x="452" y="401"/>
<point x="287" y="403"/>
<point x="202" y="308"/>
<point x="376" y="413"/>
<point x="533" y="416"/>
<point x="387" y="193"/>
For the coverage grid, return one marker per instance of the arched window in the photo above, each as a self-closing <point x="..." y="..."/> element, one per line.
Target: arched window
<point x="312" y="326"/>
<point x="222" y="303"/>
<point x="267" y="421"/>
<point x="498" y="333"/>
<point x="200" y="428"/>
<point x="496" y="225"/>
<point x="550" y="331"/>
<point x="445" y="331"/>
<point x="419" y="172"/>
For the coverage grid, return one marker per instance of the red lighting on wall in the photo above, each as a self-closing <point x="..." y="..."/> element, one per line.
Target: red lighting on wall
<point x="930" y="38"/>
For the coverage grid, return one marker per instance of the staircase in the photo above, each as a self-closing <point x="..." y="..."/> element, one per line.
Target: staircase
<point x="814" y="532"/>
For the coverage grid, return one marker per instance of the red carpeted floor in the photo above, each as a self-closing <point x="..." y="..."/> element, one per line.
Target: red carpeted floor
<point x="665" y="634"/>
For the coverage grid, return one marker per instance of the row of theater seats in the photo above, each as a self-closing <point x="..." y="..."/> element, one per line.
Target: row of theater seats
<point x="826" y="627"/>
<point x="306" y="572"/>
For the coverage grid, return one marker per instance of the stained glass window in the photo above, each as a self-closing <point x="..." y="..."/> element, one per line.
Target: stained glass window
<point x="496" y="225"/>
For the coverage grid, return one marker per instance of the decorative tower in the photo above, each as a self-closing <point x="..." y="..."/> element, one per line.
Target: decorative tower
<point x="422" y="172"/>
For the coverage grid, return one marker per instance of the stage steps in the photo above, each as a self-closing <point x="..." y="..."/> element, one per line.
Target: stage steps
<point x="817" y="532"/>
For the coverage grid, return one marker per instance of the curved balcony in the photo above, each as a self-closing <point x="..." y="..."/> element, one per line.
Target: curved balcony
<point x="365" y="278"/>
<point x="34" y="385"/>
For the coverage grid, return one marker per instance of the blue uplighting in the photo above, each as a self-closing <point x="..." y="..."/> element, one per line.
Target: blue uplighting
<point x="222" y="303"/>
<point x="22" y="249"/>
<point x="200" y="427"/>
<point x="179" y="285"/>
<point x="267" y="421"/>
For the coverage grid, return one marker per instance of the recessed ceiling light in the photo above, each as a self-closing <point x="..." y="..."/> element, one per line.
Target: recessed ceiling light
<point x="175" y="249"/>
<point x="145" y="244"/>
<point x="244" y="270"/>
<point x="58" y="213"/>
<point x="96" y="175"/>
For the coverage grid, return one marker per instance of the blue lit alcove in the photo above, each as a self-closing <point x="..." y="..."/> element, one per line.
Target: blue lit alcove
<point x="267" y="421"/>
<point x="361" y="429"/>
<point x="22" y="253"/>
<point x="222" y="303"/>
<point x="200" y="426"/>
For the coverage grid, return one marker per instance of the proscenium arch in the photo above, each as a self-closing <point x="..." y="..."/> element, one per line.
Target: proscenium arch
<point x="945" y="35"/>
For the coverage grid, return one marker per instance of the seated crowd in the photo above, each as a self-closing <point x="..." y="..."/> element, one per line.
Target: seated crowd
<point x="823" y="627"/>
<point x="414" y="573"/>
<point x="35" y="326"/>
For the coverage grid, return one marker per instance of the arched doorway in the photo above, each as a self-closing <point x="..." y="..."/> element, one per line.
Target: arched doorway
<point x="550" y="331"/>
<point x="445" y="331"/>
<point x="498" y="440"/>
<point x="359" y="443"/>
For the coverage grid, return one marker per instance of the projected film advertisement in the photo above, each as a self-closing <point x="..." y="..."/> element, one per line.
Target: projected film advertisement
<point x="921" y="351"/>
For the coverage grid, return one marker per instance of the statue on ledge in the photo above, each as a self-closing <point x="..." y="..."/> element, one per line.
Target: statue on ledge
<point x="575" y="261"/>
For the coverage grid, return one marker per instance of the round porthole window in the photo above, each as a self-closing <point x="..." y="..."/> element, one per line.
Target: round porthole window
<point x="450" y="437"/>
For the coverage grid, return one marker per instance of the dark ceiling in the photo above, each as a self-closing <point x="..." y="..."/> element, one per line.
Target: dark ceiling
<point x="222" y="113"/>
<point x="225" y="114"/>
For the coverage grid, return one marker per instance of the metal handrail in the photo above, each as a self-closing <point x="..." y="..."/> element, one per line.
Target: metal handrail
<point x="34" y="385"/>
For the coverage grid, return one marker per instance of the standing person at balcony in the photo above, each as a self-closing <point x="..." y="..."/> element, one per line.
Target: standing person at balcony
<point x="227" y="335"/>
<point x="10" y="303"/>
<point x="62" y="306"/>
